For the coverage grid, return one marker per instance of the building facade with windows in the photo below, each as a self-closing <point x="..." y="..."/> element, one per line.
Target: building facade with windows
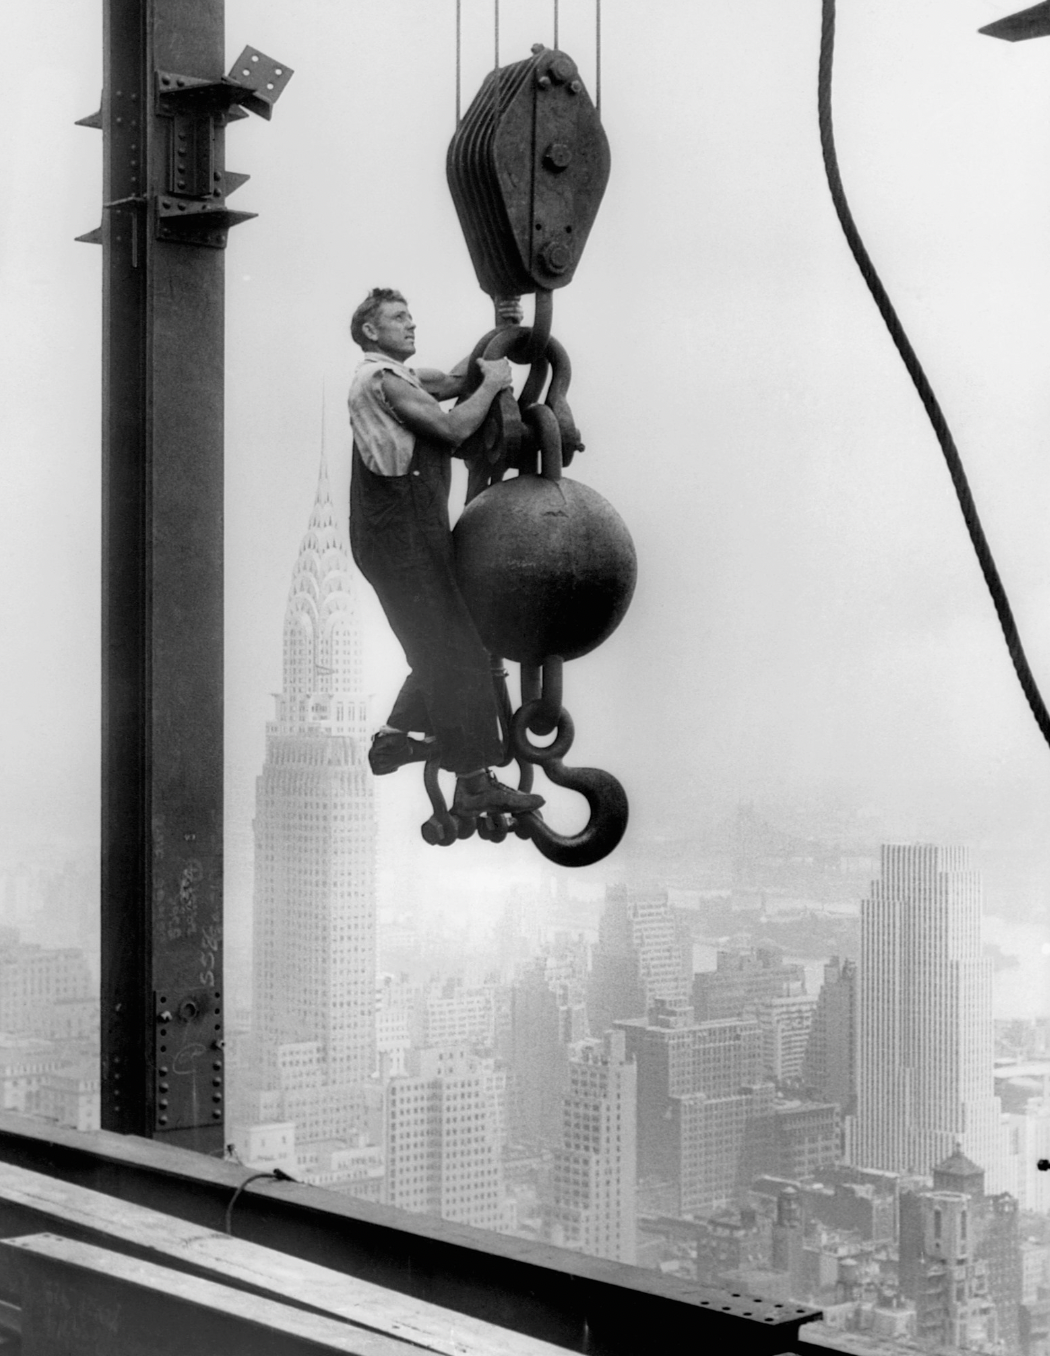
<point x="444" y="1140"/>
<point x="925" y="1042"/>
<point x="593" y="1194"/>
<point x="643" y="953"/>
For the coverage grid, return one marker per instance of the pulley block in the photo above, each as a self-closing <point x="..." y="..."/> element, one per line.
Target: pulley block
<point x="527" y="168"/>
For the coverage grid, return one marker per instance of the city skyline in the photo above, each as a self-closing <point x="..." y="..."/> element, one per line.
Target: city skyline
<point x="815" y="1066"/>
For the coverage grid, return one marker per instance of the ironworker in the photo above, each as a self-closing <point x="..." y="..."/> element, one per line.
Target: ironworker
<point x="402" y="543"/>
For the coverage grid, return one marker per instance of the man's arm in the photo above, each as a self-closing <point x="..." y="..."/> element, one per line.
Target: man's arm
<point x="444" y="385"/>
<point x="420" y="412"/>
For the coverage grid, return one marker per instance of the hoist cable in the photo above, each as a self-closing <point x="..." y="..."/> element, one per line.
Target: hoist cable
<point x="598" y="57"/>
<point x="919" y="379"/>
<point x="495" y="72"/>
<point x="459" y="57"/>
<point x="555" y="23"/>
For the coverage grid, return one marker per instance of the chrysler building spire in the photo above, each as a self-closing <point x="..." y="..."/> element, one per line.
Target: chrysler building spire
<point x="322" y="645"/>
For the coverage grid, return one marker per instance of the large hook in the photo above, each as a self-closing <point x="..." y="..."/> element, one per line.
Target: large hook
<point x="606" y="798"/>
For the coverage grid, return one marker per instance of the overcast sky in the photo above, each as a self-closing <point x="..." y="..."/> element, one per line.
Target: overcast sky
<point x="809" y="619"/>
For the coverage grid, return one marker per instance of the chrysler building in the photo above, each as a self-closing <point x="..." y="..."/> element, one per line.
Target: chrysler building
<point x="314" y="972"/>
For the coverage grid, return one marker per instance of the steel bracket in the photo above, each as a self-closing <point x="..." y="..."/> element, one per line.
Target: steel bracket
<point x="193" y="209"/>
<point x="188" y="1058"/>
<point x="1027" y="23"/>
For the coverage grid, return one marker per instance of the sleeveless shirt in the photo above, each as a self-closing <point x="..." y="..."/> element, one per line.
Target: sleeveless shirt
<point x="382" y="441"/>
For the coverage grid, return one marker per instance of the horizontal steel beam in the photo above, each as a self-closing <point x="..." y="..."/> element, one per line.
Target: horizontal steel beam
<point x="578" y="1302"/>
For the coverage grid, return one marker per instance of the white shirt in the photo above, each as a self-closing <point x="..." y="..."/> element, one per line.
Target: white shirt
<point x="382" y="441"/>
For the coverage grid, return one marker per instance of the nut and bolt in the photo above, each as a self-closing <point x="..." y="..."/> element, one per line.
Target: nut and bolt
<point x="555" y="256"/>
<point x="557" y="156"/>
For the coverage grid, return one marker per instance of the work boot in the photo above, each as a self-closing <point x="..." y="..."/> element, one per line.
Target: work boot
<point x="392" y="749"/>
<point x="482" y="794"/>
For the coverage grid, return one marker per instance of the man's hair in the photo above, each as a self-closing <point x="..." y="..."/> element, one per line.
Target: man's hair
<point x="368" y="310"/>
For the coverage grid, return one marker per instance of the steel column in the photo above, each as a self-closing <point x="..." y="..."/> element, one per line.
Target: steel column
<point x="162" y="602"/>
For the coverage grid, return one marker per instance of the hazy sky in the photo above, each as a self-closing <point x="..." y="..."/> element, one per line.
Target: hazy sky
<point x="809" y="617"/>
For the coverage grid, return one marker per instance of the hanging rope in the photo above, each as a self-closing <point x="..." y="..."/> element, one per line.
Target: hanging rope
<point x="495" y="81"/>
<point x="459" y="57"/>
<point x="919" y="379"/>
<point x="555" y="23"/>
<point x="598" y="57"/>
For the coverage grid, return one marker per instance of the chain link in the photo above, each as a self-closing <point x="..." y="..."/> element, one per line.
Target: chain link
<point x="531" y="436"/>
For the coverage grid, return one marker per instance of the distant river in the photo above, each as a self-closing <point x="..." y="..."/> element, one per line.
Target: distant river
<point x="1018" y="991"/>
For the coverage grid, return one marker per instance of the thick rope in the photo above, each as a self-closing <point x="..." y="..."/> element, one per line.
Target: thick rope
<point x="555" y="23"/>
<point x="459" y="58"/>
<point x="495" y="73"/>
<point x="920" y="381"/>
<point x="598" y="57"/>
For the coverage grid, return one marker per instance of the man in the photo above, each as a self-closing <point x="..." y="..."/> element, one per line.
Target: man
<point x="402" y="543"/>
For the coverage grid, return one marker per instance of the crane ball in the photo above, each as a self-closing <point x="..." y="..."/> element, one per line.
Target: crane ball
<point x="547" y="567"/>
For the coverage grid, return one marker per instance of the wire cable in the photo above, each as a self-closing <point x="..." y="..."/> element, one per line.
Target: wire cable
<point x="278" y="1176"/>
<point x="459" y="57"/>
<point x="919" y="378"/>
<point x="598" y="57"/>
<point x="555" y="23"/>
<point x="495" y="73"/>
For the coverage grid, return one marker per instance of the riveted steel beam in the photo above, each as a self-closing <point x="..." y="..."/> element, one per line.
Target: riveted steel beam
<point x="162" y="598"/>
<point x="165" y="107"/>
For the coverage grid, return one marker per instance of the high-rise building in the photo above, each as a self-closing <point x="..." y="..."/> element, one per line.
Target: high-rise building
<point x="592" y="1203"/>
<point x="454" y="1013"/>
<point x="46" y="992"/>
<point x="443" y="1137"/>
<point x="830" y="1064"/>
<point x="700" y="1085"/>
<point x="924" y="1020"/>
<point x="742" y="980"/>
<point x="314" y="972"/>
<point x="643" y="953"/>
<point x="548" y="1014"/>
<point x="796" y="1141"/>
<point x="785" y="1024"/>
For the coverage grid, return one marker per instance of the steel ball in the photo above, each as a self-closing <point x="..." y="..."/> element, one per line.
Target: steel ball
<point x="547" y="567"/>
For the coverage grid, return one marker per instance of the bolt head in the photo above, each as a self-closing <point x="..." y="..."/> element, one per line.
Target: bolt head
<point x="543" y="81"/>
<point x="575" y="86"/>
<point x="537" y="48"/>
<point x="558" y="155"/>
<point x="556" y="256"/>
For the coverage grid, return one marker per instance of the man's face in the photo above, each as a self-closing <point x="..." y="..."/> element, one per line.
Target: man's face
<point x="393" y="331"/>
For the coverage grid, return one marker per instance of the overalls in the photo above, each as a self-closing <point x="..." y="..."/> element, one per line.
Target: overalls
<point x="402" y="543"/>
